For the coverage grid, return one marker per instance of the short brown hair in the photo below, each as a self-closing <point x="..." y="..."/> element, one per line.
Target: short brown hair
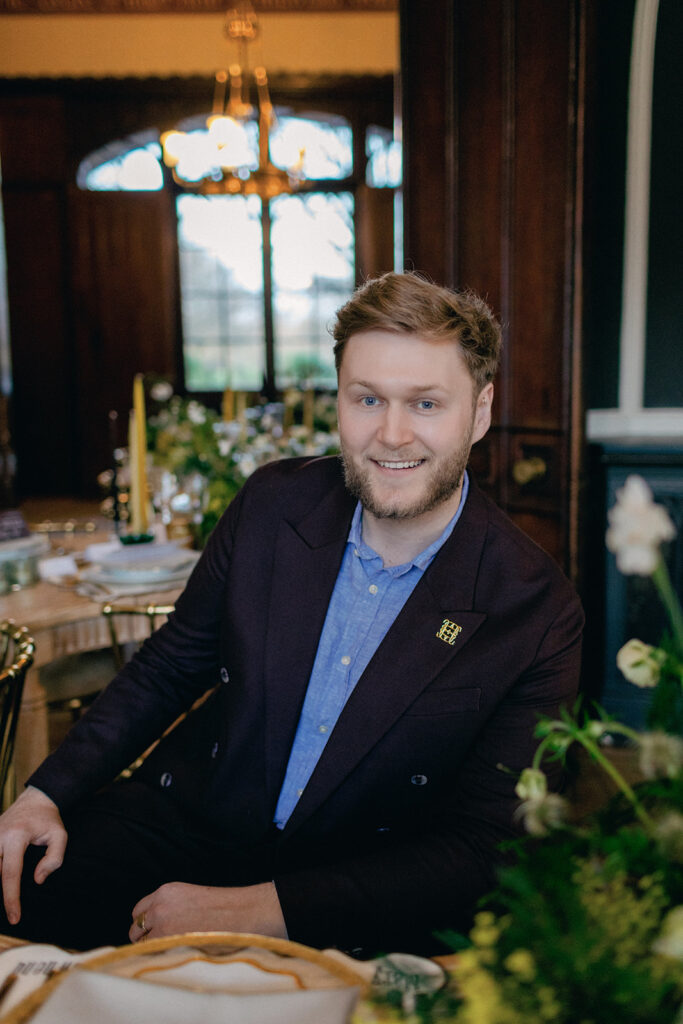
<point x="409" y="304"/>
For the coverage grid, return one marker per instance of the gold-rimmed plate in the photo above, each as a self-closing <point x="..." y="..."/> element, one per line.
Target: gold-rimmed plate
<point x="226" y="972"/>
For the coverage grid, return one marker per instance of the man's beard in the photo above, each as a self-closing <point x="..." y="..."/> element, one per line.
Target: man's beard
<point x="438" y="488"/>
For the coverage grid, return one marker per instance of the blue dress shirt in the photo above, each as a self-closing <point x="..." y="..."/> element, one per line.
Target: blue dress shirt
<point x="366" y="599"/>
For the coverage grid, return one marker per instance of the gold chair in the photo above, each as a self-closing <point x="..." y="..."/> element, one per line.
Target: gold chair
<point x="150" y="612"/>
<point x="74" y="681"/>
<point x="16" y="657"/>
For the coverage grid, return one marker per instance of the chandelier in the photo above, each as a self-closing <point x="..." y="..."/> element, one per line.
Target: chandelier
<point x="224" y="159"/>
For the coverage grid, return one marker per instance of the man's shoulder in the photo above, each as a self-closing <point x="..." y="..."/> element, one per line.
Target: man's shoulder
<point x="510" y="552"/>
<point x="318" y="473"/>
<point x="293" y="485"/>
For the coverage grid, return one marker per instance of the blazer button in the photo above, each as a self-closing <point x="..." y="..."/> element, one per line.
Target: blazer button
<point x="214" y="750"/>
<point x="224" y="674"/>
<point x="419" y="780"/>
<point x="166" y="780"/>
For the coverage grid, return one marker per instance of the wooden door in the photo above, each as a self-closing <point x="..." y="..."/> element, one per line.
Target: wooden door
<point x="493" y="121"/>
<point x="124" y="294"/>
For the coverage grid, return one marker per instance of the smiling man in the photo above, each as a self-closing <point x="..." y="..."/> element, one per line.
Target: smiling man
<point x="383" y="640"/>
<point x="408" y="417"/>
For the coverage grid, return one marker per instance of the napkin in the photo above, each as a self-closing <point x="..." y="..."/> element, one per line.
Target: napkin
<point x="32" y="964"/>
<point x="60" y="565"/>
<point x="107" y="999"/>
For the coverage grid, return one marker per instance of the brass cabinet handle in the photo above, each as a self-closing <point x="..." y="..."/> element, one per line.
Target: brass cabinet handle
<point x="526" y="470"/>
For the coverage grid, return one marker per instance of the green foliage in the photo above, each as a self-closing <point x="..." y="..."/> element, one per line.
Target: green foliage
<point x="568" y="934"/>
<point x="210" y="458"/>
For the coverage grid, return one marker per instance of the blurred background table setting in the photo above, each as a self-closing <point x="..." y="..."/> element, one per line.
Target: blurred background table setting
<point x="107" y="570"/>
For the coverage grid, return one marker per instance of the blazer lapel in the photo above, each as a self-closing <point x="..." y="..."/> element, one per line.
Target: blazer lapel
<point x="308" y="553"/>
<point x="423" y="639"/>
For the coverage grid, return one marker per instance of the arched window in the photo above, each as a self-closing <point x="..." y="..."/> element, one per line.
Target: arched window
<point x="260" y="280"/>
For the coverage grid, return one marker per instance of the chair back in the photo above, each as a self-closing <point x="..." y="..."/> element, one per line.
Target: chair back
<point x="16" y="657"/>
<point x="149" y="612"/>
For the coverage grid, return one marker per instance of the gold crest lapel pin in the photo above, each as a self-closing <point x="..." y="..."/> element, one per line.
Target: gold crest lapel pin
<point x="449" y="632"/>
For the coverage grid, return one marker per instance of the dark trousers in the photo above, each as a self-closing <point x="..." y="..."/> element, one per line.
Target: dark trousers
<point x="123" y="844"/>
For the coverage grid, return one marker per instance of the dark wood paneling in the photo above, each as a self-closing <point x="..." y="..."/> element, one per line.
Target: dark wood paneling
<point x="483" y="190"/>
<point x="540" y="197"/>
<point x="374" y="231"/>
<point x="44" y="388"/>
<point x="32" y="140"/>
<point x="33" y="154"/>
<point x="508" y="77"/>
<point x="482" y="165"/>
<point x="125" y="301"/>
<point x="428" y="135"/>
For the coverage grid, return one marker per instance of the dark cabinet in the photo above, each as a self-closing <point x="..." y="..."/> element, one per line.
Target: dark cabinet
<point x="620" y="607"/>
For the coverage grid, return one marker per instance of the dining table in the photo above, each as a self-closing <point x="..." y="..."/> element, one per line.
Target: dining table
<point x="61" y="622"/>
<point x="65" y="619"/>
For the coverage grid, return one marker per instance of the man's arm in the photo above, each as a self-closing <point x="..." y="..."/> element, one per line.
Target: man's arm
<point x="172" y="669"/>
<point x="179" y="907"/>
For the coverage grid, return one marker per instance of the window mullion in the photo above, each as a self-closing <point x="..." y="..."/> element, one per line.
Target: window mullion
<point x="269" y="378"/>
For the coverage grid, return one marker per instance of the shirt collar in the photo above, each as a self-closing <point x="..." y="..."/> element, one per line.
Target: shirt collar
<point x="422" y="560"/>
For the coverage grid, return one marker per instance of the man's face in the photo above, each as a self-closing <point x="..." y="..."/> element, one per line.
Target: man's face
<point x="407" y="421"/>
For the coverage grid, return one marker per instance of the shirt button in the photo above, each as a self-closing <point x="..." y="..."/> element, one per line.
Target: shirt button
<point x="299" y="792"/>
<point x="346" y="660"/>
<point x="372" y="588"/>
<point x="322" y="728"/>
<point x="355" y="551"/>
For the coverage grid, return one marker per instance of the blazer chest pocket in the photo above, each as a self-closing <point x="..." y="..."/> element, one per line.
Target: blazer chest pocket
<point x="446" y="702"/>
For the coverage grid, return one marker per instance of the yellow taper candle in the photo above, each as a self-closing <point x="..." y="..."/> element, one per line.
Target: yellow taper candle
<point x="141" y="450"/>
<point x="228" y="405"/>
<point x="291" y="398"/>
<point x="240" y="406"/>
<point x="133" y="483"/>
<point x="309" y="408"/>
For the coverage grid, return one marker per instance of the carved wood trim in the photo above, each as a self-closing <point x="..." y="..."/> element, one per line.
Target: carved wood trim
<point x="187" y="6"/>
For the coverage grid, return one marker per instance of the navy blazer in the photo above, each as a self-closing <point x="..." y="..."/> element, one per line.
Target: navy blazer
<point x="396" y="831"/>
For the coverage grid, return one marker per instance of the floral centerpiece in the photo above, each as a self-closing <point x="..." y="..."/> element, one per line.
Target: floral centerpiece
<point x="586" y="924"/>
<point x="198" y="460"/>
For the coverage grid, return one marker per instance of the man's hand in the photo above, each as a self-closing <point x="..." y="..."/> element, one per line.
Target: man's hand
<point x="180" y="907"/>
<point x="32" y="819"/>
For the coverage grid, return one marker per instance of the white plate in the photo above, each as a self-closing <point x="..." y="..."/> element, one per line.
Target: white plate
<point x="136" y="556"/>
<point x="167" y="570"/>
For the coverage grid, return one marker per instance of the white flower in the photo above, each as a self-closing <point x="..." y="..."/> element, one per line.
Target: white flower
<point x="669" y="836"/>
<point x="540" y="814"/>
<point x="532" y="784"/>
<point x="196" y="413"/>
<point x="661" y="755"/>
<point x="670" y="939"/>
<point x="161" y="391"/>
<point x="596" y="729"/>
<point x="639" y="663"/>
<point x="637" y="528"/>
<point x="247" y="465"/>
<point x="225" y="446"/>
